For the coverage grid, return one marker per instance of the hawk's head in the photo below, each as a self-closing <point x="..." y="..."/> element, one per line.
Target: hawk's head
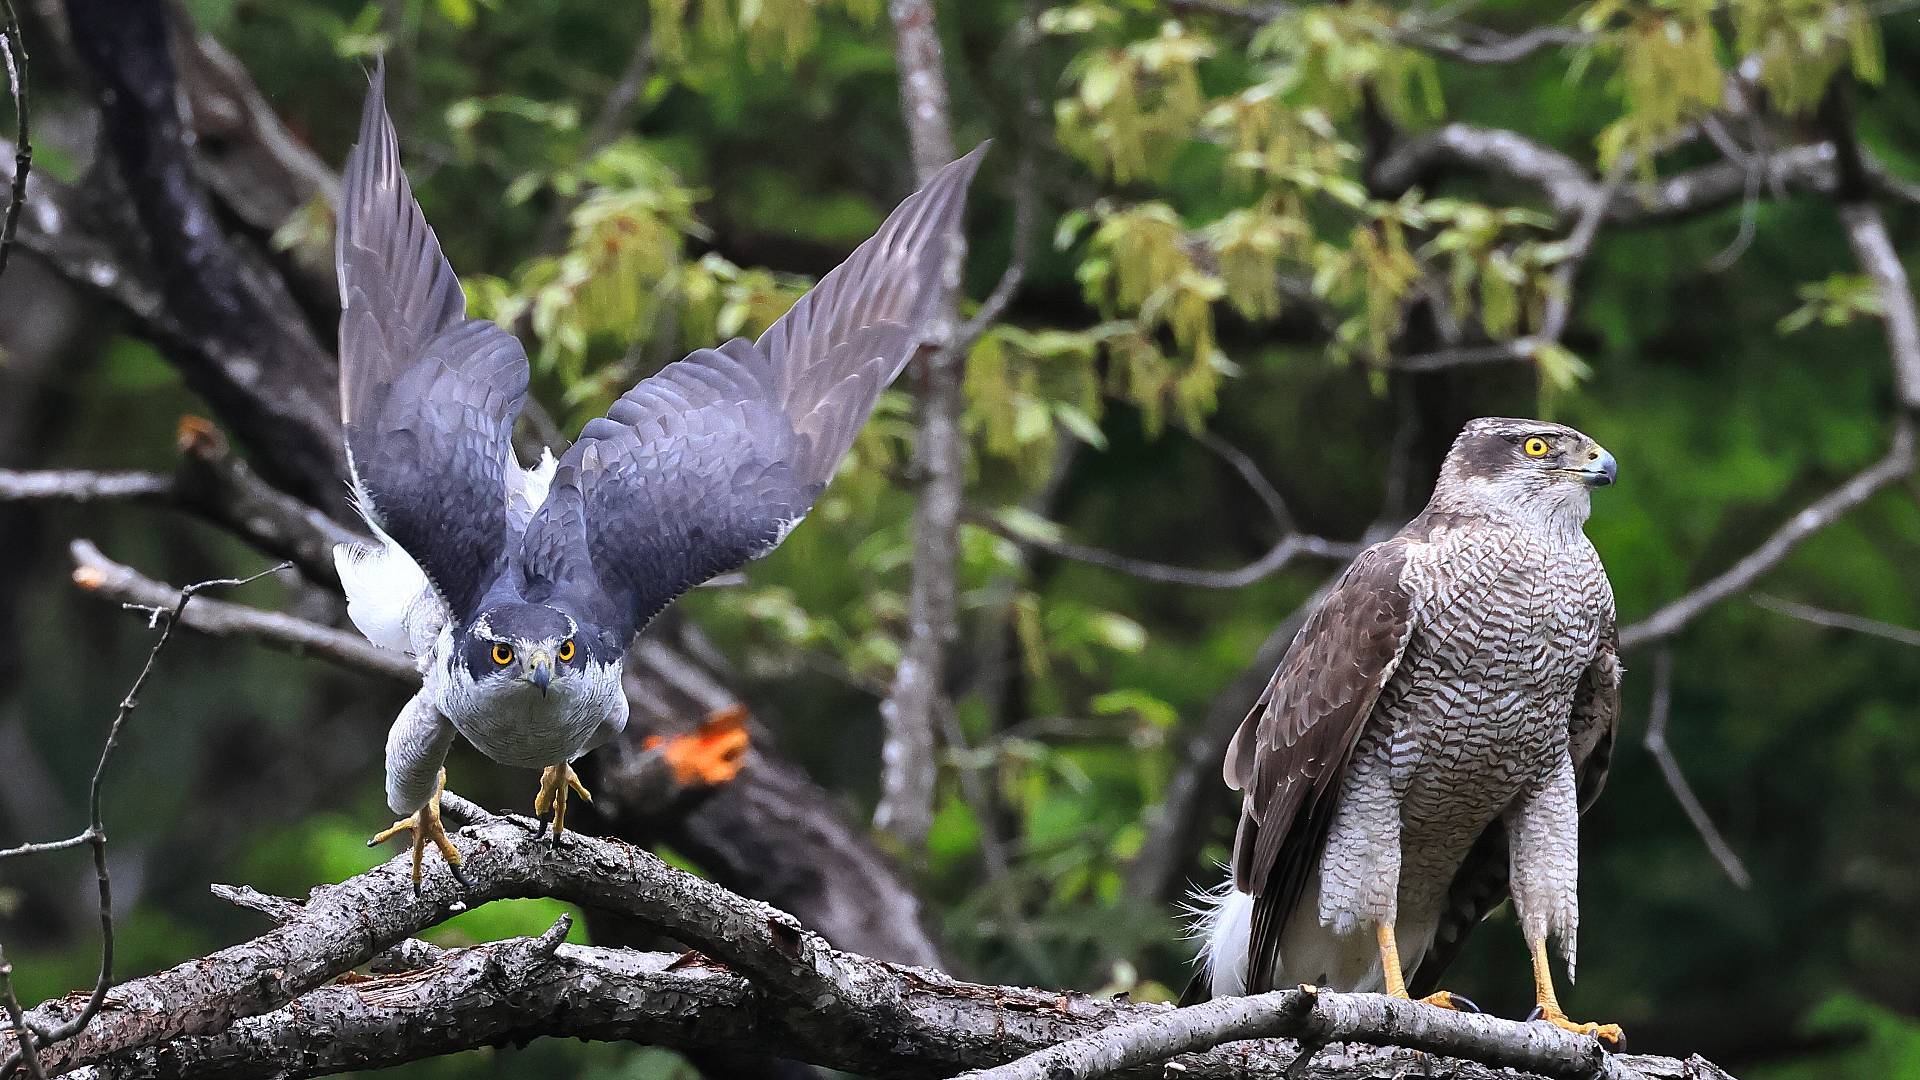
<point x="1526" y="466"/>
<point x="510" y="645"/>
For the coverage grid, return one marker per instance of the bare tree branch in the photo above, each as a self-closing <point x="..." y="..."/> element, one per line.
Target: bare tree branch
<point x="1837" y="620"/>
<point x="1674" y="617"/>
<point x="1292" y="543"/>
<point x="82" y="486"/>
<point x="30" y="1056"/>
<point x="1662" y="751"/>
<point x="1276" y="559"/>
<point x="13" y="50"/>
<point x="908" y="770"/>
<point x="101" y="576"/>
<point x="210" y="482"/>
<point x="1567" y="186"/>
<point x="31" y="1037"/>
<point x="781" y="985"/>
<point x="1315" y="1019"/>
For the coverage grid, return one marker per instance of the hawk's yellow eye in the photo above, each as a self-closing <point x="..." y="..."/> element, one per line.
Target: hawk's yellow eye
<point x="1536" y="447"/>
<point x="566" y="650"/>
<point x="502" y="655"/>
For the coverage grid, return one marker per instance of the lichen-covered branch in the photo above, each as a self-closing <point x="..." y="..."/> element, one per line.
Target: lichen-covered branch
<point x="769" y="982"/>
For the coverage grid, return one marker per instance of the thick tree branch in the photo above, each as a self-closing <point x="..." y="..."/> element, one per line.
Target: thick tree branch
<point x="781" y="986"/>
<point x="908" y="771"/>
<point x="257" y="363"/>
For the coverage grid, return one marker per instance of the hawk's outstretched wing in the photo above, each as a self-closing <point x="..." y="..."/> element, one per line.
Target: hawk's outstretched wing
<point x="428" y="396"/>
<point x="1293" y="748"/>
<point x="1480" y="885"/>
<point x="709" y="463"/>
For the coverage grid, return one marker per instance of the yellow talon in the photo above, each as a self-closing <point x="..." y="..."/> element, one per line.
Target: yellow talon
<point x="425" y="825"/>
<point x="1547" y="1005"/>
<point x="1397" y="981"/>
<point x="555" y="782"/>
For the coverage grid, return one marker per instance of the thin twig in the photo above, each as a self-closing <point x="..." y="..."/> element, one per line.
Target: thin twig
<point x="1025" y="196"/>
<point x="1292" y="543"/>
<point x="1657" y="745"/>
<point x="95" y="834"/>
<point x="18" y="1020"/>
<point x="1277" y="558"/>
<point x="14" y="51"/>
<point x="1837" y="620"/>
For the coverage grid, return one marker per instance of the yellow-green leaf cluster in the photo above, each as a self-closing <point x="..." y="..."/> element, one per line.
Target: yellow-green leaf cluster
<point x="1669" y="69"/>
<point x="1802" y="44"/>
<point x="770" y="32"/>
<point x="1133" y="107"/>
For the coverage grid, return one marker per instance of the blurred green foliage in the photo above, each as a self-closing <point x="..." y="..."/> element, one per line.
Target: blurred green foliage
<point x="1209" y="257"/>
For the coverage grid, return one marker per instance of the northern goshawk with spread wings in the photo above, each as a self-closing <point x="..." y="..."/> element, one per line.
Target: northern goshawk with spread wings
<point x="1428" y="743"/>
<point x="518" y="590"/>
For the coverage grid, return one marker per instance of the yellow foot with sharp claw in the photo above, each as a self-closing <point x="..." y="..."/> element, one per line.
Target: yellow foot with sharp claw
<point x="555" y="782"/>
<point x="1609" y="1035"/>
<point x="425" y="825"/>
<point x="1446" y="999"/>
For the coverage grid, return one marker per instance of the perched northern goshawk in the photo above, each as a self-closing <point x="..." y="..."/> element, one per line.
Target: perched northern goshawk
<point x="1431" y="738"/>
<point x="518" y="590"/>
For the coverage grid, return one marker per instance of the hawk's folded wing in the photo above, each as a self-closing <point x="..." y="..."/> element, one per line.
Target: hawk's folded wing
<point x="710" y="462"/>
<point x="1292" y="750"/>
<point x="428" y="396"/>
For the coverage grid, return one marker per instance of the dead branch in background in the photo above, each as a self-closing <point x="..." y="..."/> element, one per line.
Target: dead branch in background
<point x="774" y="983"/>
<point x="1292" y="543"/>
<point x="210" y="482"/>
<point x="35" y="1038"/>
<point x="1656" y="743"/>
<point x="13" y="50"/>
<point x="908" y="769"/>
<point x="1837" y="620"/>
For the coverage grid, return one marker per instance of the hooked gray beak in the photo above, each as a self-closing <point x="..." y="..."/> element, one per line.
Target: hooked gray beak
<point x="1600" y="468"/>
<point x="540" y="671"/>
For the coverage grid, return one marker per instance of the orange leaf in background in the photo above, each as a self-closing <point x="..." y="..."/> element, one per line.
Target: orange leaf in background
<point x="709" y="755"/>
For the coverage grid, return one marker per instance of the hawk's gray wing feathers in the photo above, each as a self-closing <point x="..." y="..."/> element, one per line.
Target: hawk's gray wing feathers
<point x="428" y="396"/>
<point x="708" y="463"/>
<point x="1292" y="749"/>
<point x="1481" y="883"/>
